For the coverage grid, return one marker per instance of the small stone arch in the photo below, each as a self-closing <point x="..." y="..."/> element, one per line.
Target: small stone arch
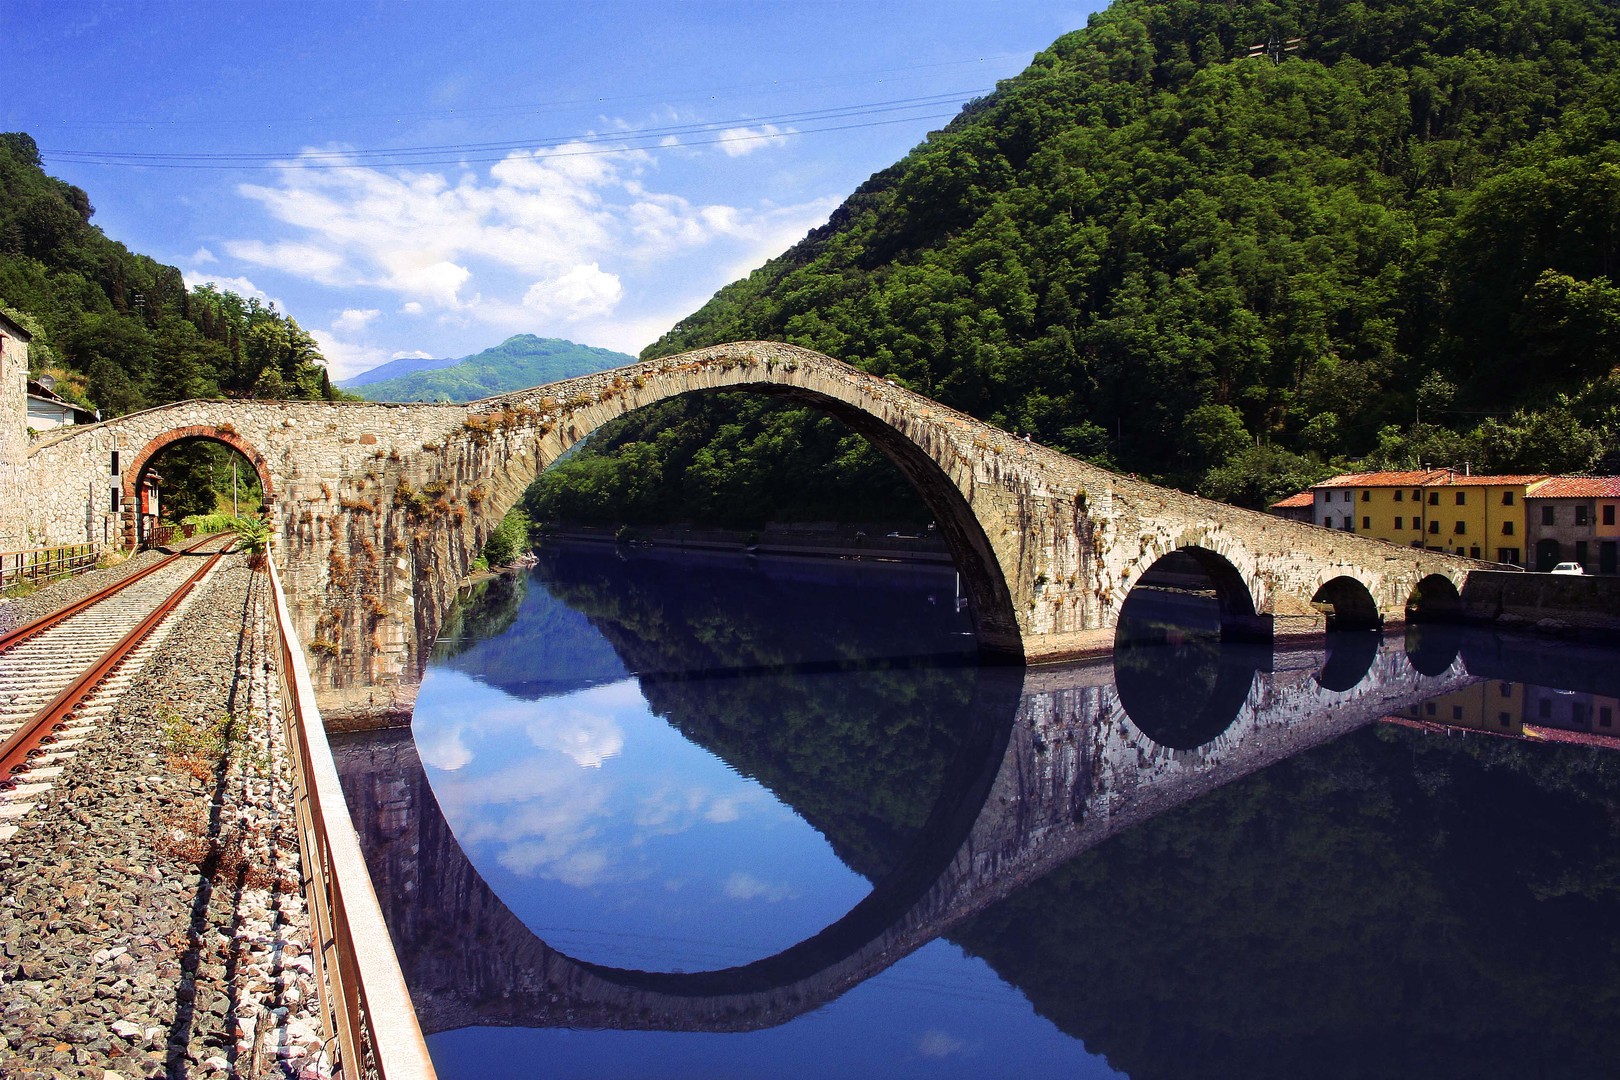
<point x="1434" y="598"/>
<point x="132" y="471"/>
<point x="1237" y="596"/>
<point x="1349" y="658"/>
<point x="1351" y="604"/>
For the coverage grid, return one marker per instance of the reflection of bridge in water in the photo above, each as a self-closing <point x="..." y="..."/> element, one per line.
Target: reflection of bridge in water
<point x="1061" y="765"/>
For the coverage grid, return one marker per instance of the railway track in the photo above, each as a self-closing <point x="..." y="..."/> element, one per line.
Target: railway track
<point x="60" y="674"/>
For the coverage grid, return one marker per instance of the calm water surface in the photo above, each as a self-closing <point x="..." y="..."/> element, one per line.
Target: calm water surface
<point x="667" y="815"/>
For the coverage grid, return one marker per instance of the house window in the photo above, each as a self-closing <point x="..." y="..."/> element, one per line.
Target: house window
<point x="1544" y="709"/>
<point x="1366" y="496"/>
<point x="1580" y="552"/>
<point x="1428" y="707"/>
<point x="1507" y="528"/>
<point x="1456" y="712"/>
<point x="1608" y="513"/>
<point x="1462" y="497"/>
<point x="1546" y="515"/>
<point x="1399" y="494"/>
<point x="1508" y="555"/>
<point x="1349" y="523"/>
<point x="115" y="465"/>
<point x="1582" y="517"/>
<point x="1504" y="689"/>
<point x="1434" y="498"/>
<point x="1503" y="719"/>
<point x="1606" y="716"/>
<point x="1460" y="528"/>
<point x="1398" y="525"/>
<point x="1366" y="523"/>
<point x="1347" y="496"/>
<point x="1507" y="498"/>
<point x="1417" y="496"/>
<point x="1434" y="526"/>
<point x="1473" y="553"/>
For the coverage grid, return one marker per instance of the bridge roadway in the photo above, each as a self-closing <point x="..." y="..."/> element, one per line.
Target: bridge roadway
<point x="1060" y="767"/>
<point x="380" y="509"/>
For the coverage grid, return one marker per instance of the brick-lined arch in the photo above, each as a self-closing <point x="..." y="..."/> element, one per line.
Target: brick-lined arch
<point x="221" y="433"/>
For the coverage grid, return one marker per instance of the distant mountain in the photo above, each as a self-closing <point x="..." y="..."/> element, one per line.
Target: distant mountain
<point x="394" y="369"/>
<point x="516" y="363"/>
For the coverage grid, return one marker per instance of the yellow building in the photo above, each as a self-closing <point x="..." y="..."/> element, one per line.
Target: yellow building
<point x="1480" y="517"/>
<point x="1382" y="505"/>
<point x="1492" y="705"/>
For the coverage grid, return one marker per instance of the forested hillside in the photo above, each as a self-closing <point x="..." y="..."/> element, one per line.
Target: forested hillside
<point x="1395" y="242"/>
<point x="120" y="331"/>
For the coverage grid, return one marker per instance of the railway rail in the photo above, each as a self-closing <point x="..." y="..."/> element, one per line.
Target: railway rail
<point x="59" y="674"/>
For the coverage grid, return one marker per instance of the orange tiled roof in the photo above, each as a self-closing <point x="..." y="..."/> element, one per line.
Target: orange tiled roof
<point x="1409" y="478"/>
<point x="1577" y="487"/>
<point x="1304" y="498"/>
<point x="1480" y="480"/>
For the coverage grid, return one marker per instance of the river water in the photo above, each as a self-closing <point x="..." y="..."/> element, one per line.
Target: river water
<point x="674" y="815"/>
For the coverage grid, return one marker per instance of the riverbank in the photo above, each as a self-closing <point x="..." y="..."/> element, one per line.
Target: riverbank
<point x="827" y="540"/>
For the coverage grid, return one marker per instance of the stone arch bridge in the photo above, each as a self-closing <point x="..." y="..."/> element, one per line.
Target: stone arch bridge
<point x="379" y="510"/>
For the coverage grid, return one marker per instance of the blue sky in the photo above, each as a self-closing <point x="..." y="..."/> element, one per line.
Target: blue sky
<point x="412" y="179"/>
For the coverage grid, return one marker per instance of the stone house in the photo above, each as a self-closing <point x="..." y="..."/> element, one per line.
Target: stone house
<point x="1299" y="507"/>
<point x="1575" y="519"/>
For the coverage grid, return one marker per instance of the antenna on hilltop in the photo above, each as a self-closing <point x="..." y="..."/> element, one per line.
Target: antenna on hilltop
<point x="1276" y="49"/>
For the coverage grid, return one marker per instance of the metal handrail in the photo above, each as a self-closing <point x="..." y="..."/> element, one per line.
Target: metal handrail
<point x="364" y="1000"/>
<point x="46" y="562"/>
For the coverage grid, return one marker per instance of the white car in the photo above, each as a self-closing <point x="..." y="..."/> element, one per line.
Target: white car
<point x="1568" y="568"/>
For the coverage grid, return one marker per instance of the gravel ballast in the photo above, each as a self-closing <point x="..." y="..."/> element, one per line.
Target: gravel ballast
<point x="152" y="922"/>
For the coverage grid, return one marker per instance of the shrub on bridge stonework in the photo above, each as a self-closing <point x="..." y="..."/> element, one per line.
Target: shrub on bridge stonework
<point x="253" y="537"/>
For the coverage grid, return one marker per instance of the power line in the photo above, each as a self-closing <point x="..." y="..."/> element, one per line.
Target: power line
<point x="115" y="160"/>
<point x="857" y="78"/>
<point x="695" y="127"/>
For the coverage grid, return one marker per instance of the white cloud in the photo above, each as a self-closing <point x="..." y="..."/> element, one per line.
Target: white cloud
<point x="745" y="140"/>
<point x="743" y="886"/>
<point x="939" y="1044"/>
<point x="354" y="320"/>
<point x="311" y="261"/>
<point x="580" y="293"/>
<point x="241" y="286"/>
<point x="411" y="354"/>
<point x="345" y="357"/>
<point x="443" y="749"/>
<point x="202" y="256"/>
<point x="567" y="235"/>
<point x="589" y="738"/>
